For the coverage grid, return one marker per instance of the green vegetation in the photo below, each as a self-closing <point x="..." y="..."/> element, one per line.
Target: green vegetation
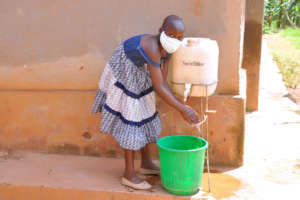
<point x="292" y="35"/>
<point x="286" y="56"/>
<point x="282" y="22"/>
<point x="283" y="13"/>
<point x="289" y="66"/>
<point x="270" y="29"/>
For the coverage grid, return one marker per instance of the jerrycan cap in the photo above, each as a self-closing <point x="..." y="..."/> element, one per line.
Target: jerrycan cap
<point x="191" y="42"/>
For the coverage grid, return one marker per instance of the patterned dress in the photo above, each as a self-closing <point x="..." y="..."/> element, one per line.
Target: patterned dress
<point x="126" y="97"/>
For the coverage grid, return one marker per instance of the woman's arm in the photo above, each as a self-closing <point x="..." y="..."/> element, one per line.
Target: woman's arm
<point x="165" y="68"/>
<point x="162" y="89"/>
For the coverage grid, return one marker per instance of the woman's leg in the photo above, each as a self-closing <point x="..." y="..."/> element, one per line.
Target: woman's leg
<point x="146" y="159"/>
<point x="129" y="167"/>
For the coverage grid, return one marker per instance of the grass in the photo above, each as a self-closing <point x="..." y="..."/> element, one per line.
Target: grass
<point x="285" y="47"/>
<point x="270" y="29"/>
<point x="292" y="35"/>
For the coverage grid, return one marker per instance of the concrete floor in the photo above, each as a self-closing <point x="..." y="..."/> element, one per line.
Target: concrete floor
<point x="31" y="173"/>
<point x="272" y="142"/>
<point x="271" y="169"/>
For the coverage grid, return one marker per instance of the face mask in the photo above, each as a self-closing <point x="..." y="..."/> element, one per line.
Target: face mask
<point x="168" y="43"/>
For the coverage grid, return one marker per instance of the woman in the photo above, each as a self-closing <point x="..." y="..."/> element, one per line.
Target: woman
<point x="126" y="98"/>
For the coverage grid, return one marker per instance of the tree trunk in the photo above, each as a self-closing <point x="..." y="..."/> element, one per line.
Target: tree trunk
<point x="280" y="15"/>
<point x="289" y="20"/>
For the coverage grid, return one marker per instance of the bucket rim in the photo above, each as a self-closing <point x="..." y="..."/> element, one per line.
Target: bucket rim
<point x="183" y="151"/>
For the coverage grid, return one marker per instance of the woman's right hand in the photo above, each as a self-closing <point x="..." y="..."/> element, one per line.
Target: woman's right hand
<point x="190" y="115"/>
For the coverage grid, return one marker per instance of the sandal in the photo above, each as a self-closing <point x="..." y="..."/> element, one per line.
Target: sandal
<point x="138" y="186"/>
<point x="149" y="171"/>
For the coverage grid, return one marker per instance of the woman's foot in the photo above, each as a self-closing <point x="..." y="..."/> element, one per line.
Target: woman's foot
<point x="149" y="168"/>
<point x="133" y="177"/>
<point x="144" y="185"/>
<point x="135" y="182"/>
<point x="149" y="165"/>
<point x="130" y="178"/>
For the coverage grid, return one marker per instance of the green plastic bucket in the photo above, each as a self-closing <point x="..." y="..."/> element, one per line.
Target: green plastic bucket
<point x="182" y="163"/>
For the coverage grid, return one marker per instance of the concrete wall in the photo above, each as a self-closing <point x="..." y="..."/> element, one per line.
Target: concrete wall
<point x="44" y="43"/>
<point x="60" y="122"/>
<point x="52" y="54"/>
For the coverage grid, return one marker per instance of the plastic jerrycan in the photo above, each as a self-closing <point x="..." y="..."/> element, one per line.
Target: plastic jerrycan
<point x="196" y="63"/>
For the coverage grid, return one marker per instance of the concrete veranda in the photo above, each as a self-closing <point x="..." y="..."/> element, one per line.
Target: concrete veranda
<point x="271" y="161"/>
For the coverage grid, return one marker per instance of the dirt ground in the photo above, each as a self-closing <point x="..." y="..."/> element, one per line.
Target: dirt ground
<point x="295" y="94"/>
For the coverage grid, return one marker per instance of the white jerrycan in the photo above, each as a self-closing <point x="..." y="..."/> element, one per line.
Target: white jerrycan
<point x="195" y="67"/>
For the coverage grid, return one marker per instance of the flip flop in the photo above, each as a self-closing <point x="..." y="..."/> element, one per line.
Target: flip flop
<point x="138" y="186"/>
<point x="149" y="171"/>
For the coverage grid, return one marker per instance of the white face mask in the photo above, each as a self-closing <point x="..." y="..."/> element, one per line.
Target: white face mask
<point x="168" y="43"/>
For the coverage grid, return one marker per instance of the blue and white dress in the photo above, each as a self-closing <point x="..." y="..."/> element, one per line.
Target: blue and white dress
<point x="126" y="97"/>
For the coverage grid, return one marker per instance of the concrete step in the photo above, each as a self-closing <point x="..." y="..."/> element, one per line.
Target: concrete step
<point x="35" y="176"/>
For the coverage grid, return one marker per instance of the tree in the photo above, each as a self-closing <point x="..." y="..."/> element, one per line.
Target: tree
<point x="284" y="12"/>
<point x="280" y="14"/>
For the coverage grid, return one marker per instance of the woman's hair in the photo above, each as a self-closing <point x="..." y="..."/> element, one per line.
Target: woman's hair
<point x="170" y="20"/>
